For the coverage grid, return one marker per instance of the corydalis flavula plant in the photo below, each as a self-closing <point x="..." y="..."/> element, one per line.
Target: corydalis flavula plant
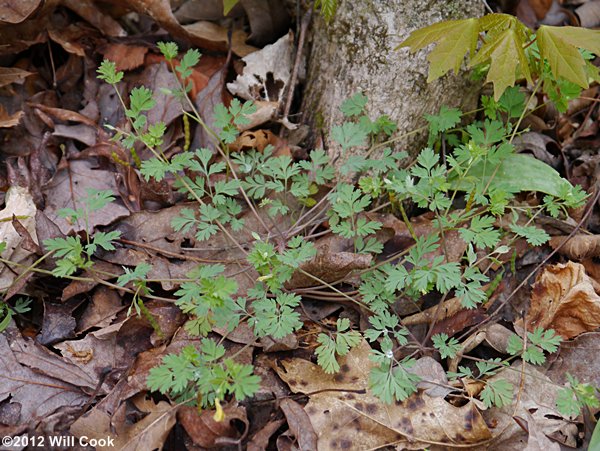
<point x="224" y="185"/>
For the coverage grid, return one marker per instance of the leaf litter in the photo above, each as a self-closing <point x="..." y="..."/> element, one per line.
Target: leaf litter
<point x="81" y="354"/>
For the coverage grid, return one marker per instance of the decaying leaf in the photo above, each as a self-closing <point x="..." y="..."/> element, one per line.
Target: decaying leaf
<point x="125" y="57"/>
<point x="266" y="74"/>
<point x="29" y="392"/>
<point x="205" y="431"/>
<point x="334" y="261"/>
<point x="70" y="185"/>
<point x="19" y="203"/>
<point x="299" y="424"/>
<point x="579" y="247"/>
<point x="10" y="75"/>
<point x="9" y="120"/>
<point x="538" y="441"/>
<point x="578" y="358"/>
<point x="563" y="298"/>
<point x="536" y="395"/>
<point x="16" y="11"/>
<point x="148" y="433"/>
<point x="346" y="416"/>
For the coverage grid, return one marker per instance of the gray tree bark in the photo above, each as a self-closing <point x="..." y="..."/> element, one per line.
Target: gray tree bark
<point x="355" y="52"/>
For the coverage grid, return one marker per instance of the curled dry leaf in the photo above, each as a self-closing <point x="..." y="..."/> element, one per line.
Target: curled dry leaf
<point x="258" y="139"/>
<point x="589" y="14"/>
<point x="125" y="57"/>
<point x="208" y="433"/>
<point x="299" y="424"/>
<point x="563" y="298"/>
<point x="218" y="35"/>
<point x="9" y="120"/>
<point x="333" y="262"/>
<point x="10" y="75"/>
<point x="148" y="433"/>
<point x="578" y="247"/>
<point x="267" y="72"/>
<point x="346" y="416"/>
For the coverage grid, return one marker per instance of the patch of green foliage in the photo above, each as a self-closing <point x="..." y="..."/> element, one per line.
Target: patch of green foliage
<point x="467" y="191"/>
<point x="557" y="59"/>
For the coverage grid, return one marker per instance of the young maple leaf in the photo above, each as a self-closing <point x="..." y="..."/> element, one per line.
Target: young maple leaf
<point x="454" y="39"/>
<point x="559" y="45"/>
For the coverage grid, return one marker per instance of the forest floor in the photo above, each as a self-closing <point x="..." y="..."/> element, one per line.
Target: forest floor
<point x="83" y="331"/>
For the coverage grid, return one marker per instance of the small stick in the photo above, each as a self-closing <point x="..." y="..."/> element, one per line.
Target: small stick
<point x="290" y="94"/>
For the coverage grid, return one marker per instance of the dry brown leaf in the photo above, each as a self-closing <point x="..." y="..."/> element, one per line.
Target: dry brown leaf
<point x="538" y="441"/>
<point x="65" y="115"/>
<point x="125" y="57"/>
<point x="260" y="440"/>
<point x="422" y="226"/>
<point x="58" y="323"/>
<point x="208" y="433"/>
<point x="589" y="14"/>
<point x="10" y="75"/>
<point x="217" y="35"/>
<point x="344" y="415"/>
<point x="299" y="424"/>
<point x="334" y="261"/>
<point x="563" y="298"/>
<point x="258" y="139"/>
<point x="148" y="433"/>
<point x="90" y="11"/>
<point x="579" y="247"/>
<point x="70" y="38"/>
<point x="9" y="120"/>
<point x="94" y="354"/>
<point x="33" y="393"/>
<point x="70" y="185"/>
<point x="578" y="358"/>
<point x="265" y="112"/>
<point x="16" y="11"/>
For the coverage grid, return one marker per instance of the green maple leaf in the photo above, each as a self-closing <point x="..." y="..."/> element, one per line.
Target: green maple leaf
<point x="228" y="6"/>
<point x="454" y="39"/>
<point x="559" y="45"/>
<point x="505" y="52"/>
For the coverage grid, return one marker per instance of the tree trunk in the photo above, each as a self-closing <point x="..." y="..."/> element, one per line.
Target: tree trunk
<point x="355" y="52"/>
